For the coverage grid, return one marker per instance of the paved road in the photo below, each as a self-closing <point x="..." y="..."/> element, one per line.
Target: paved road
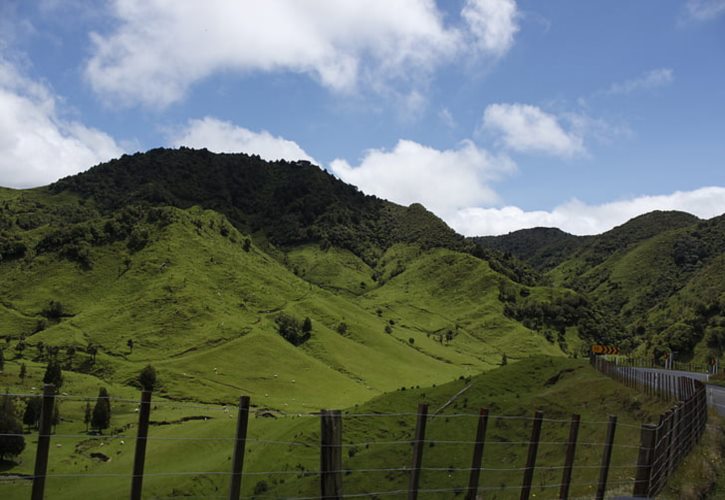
<point x="715" y="394"/>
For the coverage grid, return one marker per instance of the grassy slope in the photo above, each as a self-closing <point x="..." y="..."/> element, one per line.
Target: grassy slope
<point x="441" y="291"/>
<point x="193" y="301"/>
<point x="203" y="445"/>
<point x="551" y="384"/>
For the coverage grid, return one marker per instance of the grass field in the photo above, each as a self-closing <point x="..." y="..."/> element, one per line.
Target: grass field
<point x="193" y="439"/>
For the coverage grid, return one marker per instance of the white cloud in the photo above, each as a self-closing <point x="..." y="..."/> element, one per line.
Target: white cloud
<point x="527" y="128"/>
<point x="705" y="10"/>
<point x="493" y="23"/>
<point x="225" y="137"/>
<point x="161" y="47"/>
<point x="652" y="79"/>
<point x="580" y="218"/>
<point x="38" y="145"/>
<point x="443" y="181"/>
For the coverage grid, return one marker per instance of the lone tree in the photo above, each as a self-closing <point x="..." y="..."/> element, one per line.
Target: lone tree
<point x="53" y="374"/>
<point x="147" y="378"/>
<point x="31" y="415"/>
<point x="101" y="417"/>
<point x="12" y="442"/>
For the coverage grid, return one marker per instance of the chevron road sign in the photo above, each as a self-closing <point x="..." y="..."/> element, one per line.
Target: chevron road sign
<point x="604" y="349"/>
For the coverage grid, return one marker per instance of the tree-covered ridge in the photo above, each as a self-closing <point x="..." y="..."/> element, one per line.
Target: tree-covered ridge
<point x="541" y="247"/>
<point x="292" y="203"/>
<point x="658" y="277"/>
<point x="544" y="248"/>
<point x="287" y="203"/>
<point x="667" y="290"/>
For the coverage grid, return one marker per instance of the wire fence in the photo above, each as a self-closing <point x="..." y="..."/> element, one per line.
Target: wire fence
<point x="415" y="453"/>
<point x="665" y="445"/>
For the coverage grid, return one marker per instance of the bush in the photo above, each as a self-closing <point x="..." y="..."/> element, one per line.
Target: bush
<point x="54" y="310"/>
<point x="261" y="487"/>
<point x="292" y="330"/>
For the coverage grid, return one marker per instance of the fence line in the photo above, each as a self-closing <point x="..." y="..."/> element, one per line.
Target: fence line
<point x="662" y="447"/>
<point x="665" y="445"/>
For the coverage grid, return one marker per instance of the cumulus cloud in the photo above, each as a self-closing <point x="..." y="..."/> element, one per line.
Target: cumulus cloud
<point x="225" y="137"/>
<point x="493" y="23"/>
<point x="443" y="181"/>
<point x="161" y="47"/>
<point x="527" y="128"/>
<point x="652" y="79"/>
<point x="580" y="218"/>
<point x="37" y="144"/>
<point x="705" y="10"/>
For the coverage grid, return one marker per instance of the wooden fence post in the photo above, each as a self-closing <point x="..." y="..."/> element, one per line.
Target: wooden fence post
<point x="475" y="475"/>
<point x="41" y="455"/>
<point x="331" y="454"/>
<point x="418" y="446"/>
<point x="531" y="458"/>
<point x="676" y="434"/>
<point x="570" y="454"/>
<point x="644" y="461"/>
<point x="606" y="457"/>
<point x="658" y="458"/>
<point x="139" y="458"/>
<point x="240" y="443"/>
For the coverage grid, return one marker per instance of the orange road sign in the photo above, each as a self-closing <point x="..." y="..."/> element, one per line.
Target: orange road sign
<point x="604" y="349"/>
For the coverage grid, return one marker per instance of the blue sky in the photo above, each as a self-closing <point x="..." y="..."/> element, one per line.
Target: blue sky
<point x="495" y="114"/>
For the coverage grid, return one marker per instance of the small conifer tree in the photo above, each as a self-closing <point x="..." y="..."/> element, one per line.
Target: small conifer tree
<point x="101" y="417"/>
<point x="53" y="374"/>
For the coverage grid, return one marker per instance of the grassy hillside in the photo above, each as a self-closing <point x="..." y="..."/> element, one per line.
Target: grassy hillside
<point x="191" y="300"/>
<point x="235" y="276"/>
<point x="668" y="289"/>
<point x="657" y="278"/>
<point x="195" y="439"/>
<point x="201" y="302"/>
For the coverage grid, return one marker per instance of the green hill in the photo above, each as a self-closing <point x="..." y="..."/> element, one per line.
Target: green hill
<point x="231" y="275"/>
<point x="212" y="281"/>
<point x="658" y="277"/>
